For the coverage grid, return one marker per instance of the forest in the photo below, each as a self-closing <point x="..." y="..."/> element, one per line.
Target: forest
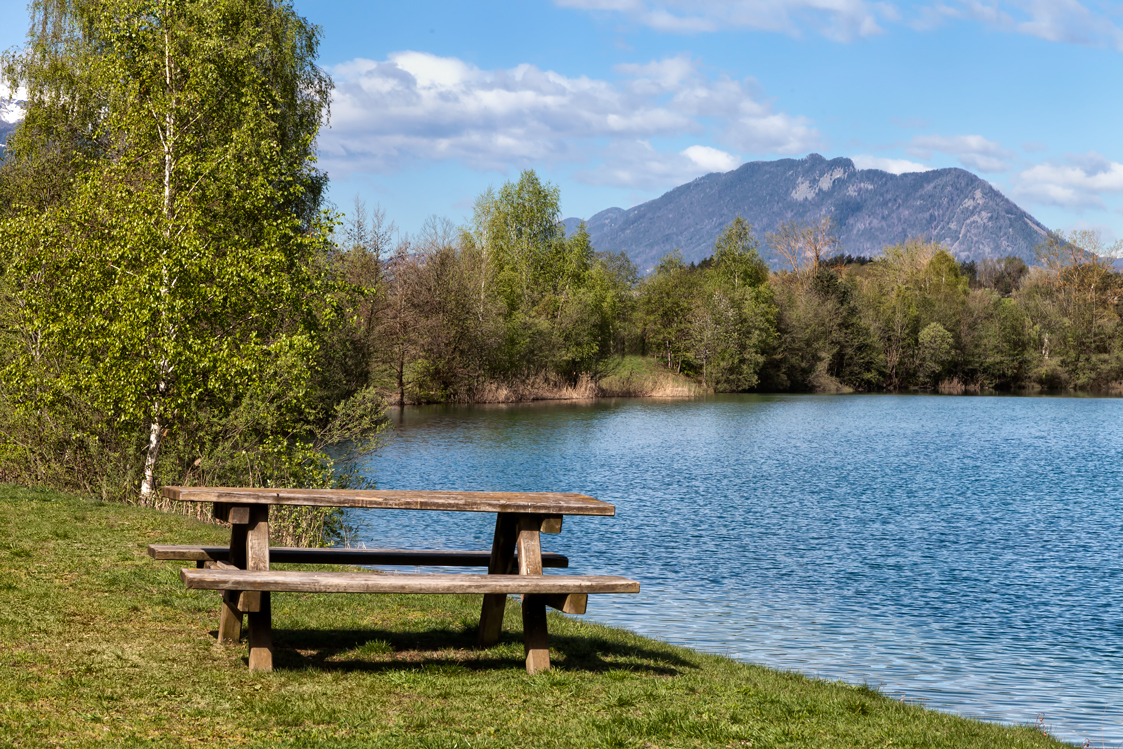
<point x="179" y="303"/>
<point x="468" y="313"/>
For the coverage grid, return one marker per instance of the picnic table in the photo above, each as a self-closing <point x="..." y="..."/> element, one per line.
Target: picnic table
<point x="514" y="563"/>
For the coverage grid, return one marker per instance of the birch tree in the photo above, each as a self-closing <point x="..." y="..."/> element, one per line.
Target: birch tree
<point x="179" y="268"/>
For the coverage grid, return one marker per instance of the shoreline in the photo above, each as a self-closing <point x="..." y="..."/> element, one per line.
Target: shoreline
<point x="105" y="647"/>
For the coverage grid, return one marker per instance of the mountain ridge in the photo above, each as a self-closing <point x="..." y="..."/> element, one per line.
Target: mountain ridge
<point x="873" y="209"/>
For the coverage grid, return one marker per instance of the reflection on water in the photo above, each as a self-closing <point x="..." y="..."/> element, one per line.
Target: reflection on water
<point x="960" y="551"/>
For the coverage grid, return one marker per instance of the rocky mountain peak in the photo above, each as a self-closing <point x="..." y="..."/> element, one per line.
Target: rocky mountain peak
<point x="873" y="209"/>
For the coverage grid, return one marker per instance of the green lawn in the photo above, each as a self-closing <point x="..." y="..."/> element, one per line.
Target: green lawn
<point x="102" y="646"/>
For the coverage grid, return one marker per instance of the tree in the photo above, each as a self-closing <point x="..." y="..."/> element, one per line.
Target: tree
<point x="733" y="316"/>
<point x="519" y="231"/>
<point x="935" y="349"/>
<point x="1004" y="276"/>
<point x="736" y="258"/>
<point x="179" y="270"/>
<point x="1074" y="303"/>
<point x="665" y="301"/>
<point x="805" y="245"/>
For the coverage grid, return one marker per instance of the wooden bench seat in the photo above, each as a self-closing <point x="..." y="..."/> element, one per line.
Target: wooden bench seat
<point x="402" y="582"/>
<point x="372" y="557"/>
<point x="568" y="593"/>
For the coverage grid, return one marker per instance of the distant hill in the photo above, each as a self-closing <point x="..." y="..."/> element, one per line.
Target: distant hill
<point x="873" y="209"/>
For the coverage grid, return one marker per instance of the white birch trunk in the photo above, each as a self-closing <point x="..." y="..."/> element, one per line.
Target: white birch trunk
<point x="156" y="428"/>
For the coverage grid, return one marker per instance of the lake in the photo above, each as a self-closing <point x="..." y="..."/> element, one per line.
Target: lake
<point x="962" y="552"/>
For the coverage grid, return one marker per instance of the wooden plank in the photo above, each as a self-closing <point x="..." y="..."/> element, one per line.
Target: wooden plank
<point x="500" y="562"/>
<point x="257" y="539"/>
<point x="536" y="636"/>
<point x="261" y="636"/>
<point x="551" y="524"/>
<point x="259" y="614"/>
<point x="229" y="615"/>
<point x="257" y="553"/>
<point x="296" y="555"/>
<point x="229" y="618"/>
<point x="238" y="515"/>
<point x="529" y="546"/>
<point x="249" y="601"/>
<point x="402" y="582"/>
<point x="541" y="503"/>
<point x="574" y="603"/>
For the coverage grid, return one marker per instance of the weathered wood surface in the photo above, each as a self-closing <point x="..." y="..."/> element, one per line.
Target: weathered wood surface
<point x="529" y="547"/>
<point x="238" y="515"/>
<point x="573" y="603"/>
<point x="295" y="555"/>
<point x="543" y="503"/>
<point x="369" y="582"/>
<point x="255" y="603"/>
<point x="261" y="636"/>
<point x="536" y="636"/>
<point x="502" y="562"/>
<point x="230" y="616"/>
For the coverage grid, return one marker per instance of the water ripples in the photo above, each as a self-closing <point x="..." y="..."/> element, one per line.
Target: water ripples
<point x="962" y="552"/>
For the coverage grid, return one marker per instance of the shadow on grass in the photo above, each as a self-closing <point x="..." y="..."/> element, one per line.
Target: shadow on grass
<point x="343" y="650"/>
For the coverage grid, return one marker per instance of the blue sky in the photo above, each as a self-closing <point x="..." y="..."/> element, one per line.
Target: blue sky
<point x="617" y="101"/>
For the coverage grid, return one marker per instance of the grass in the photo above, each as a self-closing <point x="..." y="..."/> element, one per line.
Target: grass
<point x="644" y="376"/>
<point x="102" y="646"/>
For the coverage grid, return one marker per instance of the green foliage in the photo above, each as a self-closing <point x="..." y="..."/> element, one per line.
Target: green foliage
<point x="512" y="299"/>
<point x="935" y="350"/>
<point x="166" y="305"/>
<point x="736" y="259"/>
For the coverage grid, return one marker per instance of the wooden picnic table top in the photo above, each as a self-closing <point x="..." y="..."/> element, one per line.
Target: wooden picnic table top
<point x="531" y="503"/>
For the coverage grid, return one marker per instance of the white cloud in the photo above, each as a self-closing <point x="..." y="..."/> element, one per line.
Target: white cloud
<point x="893" y="166"/>
<point x="841" y="20"/>
<point x="711" y="159"/>
<point x="416" y="106"/>
<point x="1065" y="21"/>
<point x="639" y="165"/>
<point x="972" y="151"/>
<point x="1079" y="183"/>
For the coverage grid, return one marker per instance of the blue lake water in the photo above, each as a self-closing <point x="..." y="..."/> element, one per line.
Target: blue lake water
<point x="964" y="552"/>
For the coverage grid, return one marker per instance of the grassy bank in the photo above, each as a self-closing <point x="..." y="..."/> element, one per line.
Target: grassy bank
<point x="628" y="376"/>
<point x="100" y="645"/>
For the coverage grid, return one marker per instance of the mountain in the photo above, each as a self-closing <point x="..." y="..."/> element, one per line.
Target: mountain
<point x="873" y="209"/>
<point x="11" y="114"/>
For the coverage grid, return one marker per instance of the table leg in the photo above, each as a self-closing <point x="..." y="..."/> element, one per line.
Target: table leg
<point x="502" y="559"/>
<point x="530" y="545"/>
<point x="536" y="637"/>
<point x="230" y="617"/>
<point x="261" y="636"/>
<point x="260" y="621"/>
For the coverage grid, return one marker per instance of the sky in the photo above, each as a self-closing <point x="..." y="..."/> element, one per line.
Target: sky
<point x="618" y="101"/>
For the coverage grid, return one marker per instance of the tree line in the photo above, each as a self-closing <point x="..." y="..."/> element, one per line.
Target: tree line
<point x="451" y="311"/>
